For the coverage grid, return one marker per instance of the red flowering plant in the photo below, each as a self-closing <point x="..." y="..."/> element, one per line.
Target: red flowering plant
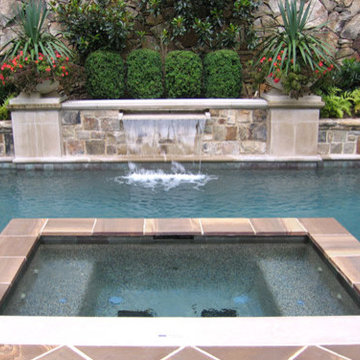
<point x="292" y="55"/>
<point x="26" y="73"/>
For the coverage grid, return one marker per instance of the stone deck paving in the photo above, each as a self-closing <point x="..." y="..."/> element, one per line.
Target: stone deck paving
<point x="20" y="236"/>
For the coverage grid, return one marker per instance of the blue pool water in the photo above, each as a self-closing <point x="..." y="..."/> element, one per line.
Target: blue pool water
<point x="222" y="191"/>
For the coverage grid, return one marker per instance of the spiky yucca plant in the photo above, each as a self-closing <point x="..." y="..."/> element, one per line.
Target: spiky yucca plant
<point x="31" y="36"/>
<point x="293" y="48"/>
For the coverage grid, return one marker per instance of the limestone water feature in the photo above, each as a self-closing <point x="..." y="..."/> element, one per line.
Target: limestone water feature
<point x="164" y="134"/>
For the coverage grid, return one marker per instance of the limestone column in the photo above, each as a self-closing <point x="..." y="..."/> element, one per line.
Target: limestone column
<point x="293" y="125"/>
<point x="36" y="126"/>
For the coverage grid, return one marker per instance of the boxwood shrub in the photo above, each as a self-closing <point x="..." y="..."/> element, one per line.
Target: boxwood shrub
<point x="105" y="75"/>
<point x="144" y="74"/>
<point x="183" y="74"/>
<point x="222" y="74"/>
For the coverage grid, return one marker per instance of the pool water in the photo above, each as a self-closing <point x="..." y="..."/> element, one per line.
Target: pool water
<point x="219" y="191"/>
<point x="176" y="278"/>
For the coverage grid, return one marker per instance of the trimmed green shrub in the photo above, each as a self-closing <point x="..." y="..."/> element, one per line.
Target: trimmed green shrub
<point x="183" y="74"/>
<point x="104" y="75"/>
<point x="144" y="74"/>
<point x="348" y="76"/>
<point x="222" y="74"/>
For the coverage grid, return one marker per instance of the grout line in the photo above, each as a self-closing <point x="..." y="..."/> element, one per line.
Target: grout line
<point x="252" y="226"/>
<point x="93" y="228"/>
<point x="297" y="353"/>
<point x="201" y="227"/>
<point x="144" y="227"/>
<point x="43" y="227"/>
<point x="332" y="352"/>
<point x="79" y="352"/>
<point x="205" y="353"/>
<point x="302" y="226"/>
<point x="168" y="356"/>
<point x="48" y="352"/>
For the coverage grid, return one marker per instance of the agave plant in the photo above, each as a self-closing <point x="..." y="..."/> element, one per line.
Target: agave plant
<point x="31" y="37"/>
<point x="294" y="47"/>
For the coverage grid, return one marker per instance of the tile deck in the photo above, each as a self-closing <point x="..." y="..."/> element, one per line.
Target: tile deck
<point x="315" y="339"/>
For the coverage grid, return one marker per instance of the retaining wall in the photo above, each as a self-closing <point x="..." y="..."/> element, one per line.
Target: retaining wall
<point x="275" y="128"/>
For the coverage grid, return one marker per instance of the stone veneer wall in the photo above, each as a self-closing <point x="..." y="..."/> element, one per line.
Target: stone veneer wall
<point x="93" y="132"/>
<point x="6" y="139"/>
<point x="341" y="16"/>
<point x="339" y="136"/>
<point x="101" y="132"/>
<point x="234" y="132"/>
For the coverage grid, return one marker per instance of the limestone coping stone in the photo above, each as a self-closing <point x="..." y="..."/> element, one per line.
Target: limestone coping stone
<point x="340" y="124"/>
<point x="35" y="103"/>
<point x="286" y="102"/>
<point x="165" y="104"/>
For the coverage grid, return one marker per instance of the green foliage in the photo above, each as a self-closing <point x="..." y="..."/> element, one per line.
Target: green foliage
<point x="104" y="75"/>
<point x="206" y="18"/>
<point x="295" y="42"/>
<point x="355" y="98"/>
<point x="293" y="49"/>
<point x="183" y="74"/>
<point x="144" y="74"/>
<point x="348" y="76"/>
<point x="336" y="104"/>
<point x="31" y="37"/>
<point x="4" y="112"/>
<point x="93" y="25"/>
<point x="222" y="74"/>
<point x="5" y="91"/>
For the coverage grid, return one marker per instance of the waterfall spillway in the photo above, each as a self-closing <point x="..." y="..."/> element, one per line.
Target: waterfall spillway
<point x="163" y="134"/>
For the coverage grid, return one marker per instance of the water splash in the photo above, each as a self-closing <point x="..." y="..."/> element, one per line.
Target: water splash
<point x="159" y="178"/>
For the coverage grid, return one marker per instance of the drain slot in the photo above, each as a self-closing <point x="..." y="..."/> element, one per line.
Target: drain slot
<point x="173" y="237"/>
<point x="136" y="313"/>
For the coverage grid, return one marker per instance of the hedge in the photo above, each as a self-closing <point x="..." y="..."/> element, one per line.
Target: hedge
<point x="144" y="74"/>
<point x="183" y="74"/>
<point x="222" y="74"/>
<point x="105" y="75"/>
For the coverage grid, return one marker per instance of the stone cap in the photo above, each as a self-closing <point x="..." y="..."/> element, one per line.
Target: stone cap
<point x="286" y="102"/>
<point x="165" y="104"/>
<point x="34" y="102"/>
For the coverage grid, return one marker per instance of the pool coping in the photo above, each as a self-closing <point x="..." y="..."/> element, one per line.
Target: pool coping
<point x="340" y="248"/>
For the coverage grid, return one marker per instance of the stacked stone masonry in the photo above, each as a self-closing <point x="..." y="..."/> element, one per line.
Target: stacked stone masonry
<point x="227" y="132"/>
<point x="338" y="137"/>
<point x="6" y="139"/>
<point x="342" y="19"/>
<point x="233" y="132"/>
<point x="93" y="133"/>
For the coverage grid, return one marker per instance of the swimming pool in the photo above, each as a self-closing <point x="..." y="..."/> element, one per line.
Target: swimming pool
<point x="228" y="191"/>
<point x="211" y="277"/>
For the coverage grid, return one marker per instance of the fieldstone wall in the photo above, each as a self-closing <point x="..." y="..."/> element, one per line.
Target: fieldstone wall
<point x="339" y="136"/>
<point x="95" y="132"/>
<point x="102" y="133"/>
<point x="234" y="132"/>
<point x="6" y="139"/>
<point x="342" y="18"/>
